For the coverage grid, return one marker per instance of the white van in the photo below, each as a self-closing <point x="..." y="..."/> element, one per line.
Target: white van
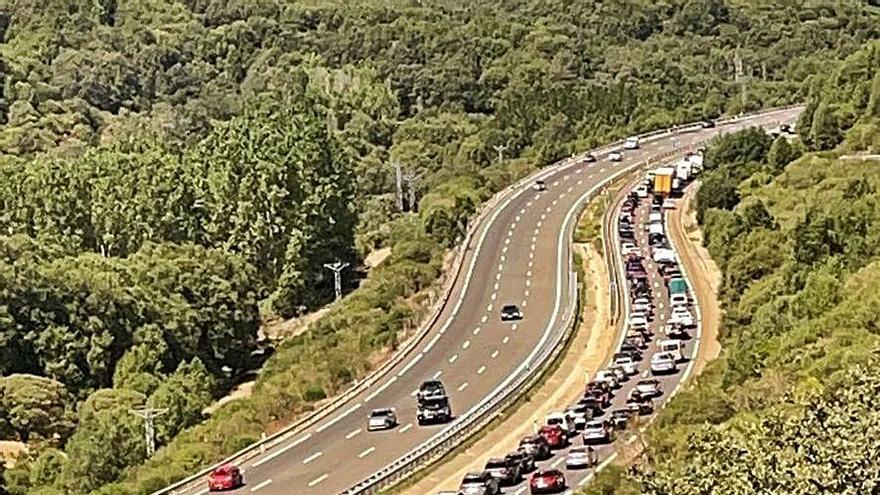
<point x="674" y="347"/>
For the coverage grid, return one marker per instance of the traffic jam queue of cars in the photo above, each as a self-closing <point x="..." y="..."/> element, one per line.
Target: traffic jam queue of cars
<point x="658" y="326"/>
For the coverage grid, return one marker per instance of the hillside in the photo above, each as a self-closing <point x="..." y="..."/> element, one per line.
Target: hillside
<point x="791" y="407"/>
<point x="176" y="171"/>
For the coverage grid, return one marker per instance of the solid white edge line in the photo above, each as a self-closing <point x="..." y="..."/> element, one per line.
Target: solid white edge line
<point x="281" y="450"/>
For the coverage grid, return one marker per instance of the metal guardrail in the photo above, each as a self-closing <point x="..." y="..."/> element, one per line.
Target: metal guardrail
<point x="448" y="286"/>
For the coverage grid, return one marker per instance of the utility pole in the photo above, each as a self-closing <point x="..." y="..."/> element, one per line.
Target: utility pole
<point x="740" y="78"/>
<point x="411" y="178"/>
<point x="500" y="149"/>
<point x="149" y="414"/>
<point x="337" y="268"/>
<point x="398" y="171"/>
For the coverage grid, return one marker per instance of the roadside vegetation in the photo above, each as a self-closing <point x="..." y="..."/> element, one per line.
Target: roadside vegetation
<point x="170" y="167"/>
<point x="792" y="405"/>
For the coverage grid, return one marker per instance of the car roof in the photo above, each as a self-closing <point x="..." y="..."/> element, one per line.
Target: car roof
<point x="226" y="469"/>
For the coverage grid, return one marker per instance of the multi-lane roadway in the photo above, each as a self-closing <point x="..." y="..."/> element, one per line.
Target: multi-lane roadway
<point x="519" y="255"/>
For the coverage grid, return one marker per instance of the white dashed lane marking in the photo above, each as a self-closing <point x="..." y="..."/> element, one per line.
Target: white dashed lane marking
<point x="476" y="330"/>
<point x="481" y="370"/>
<point x="353" y="434"/>
<point x="406" y="428"/>
<point x="318" y="480"/>
<point x="453" y="358"/>
<point x="506" y="339"/>
<point x="262" y="485"/>
<point x="494" y="354"/>
<point x="366" y="452"/>
<point x="467" y="343"/>
<point x="463" y="386"/>
<point x="437" y="374"/>
<point x="312" y="457"/>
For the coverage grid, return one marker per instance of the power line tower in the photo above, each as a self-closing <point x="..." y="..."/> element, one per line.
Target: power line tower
<point x="337" y="268"/>
<point x="740" y="78"/>
<point x="149" y="414"/>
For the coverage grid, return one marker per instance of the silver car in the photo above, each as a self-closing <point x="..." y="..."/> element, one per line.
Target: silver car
<point x="663" y="362"/>
<point x="581" y="458"/>
<point x="597" y="431"/>
<point x="381" y="419"/>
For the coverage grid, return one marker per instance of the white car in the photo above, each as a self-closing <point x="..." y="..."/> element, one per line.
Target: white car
<point x="642" y="308"/>
<point x="636" y="322"/>
<point x="631" y="143"/>
<point x="615" y="156"/>
<point x="663" y="362"/>
<point x="539" y="185"/>
<point x="668" y="204"/>
<point x="648" y="388"/>
<point x="642" y="191"/>
<point x="581" y="458"/>
<point x="579" y="414"/>
<point x="628" y="364"/>
<point x="674" y="347"/>
<point x="639" y="315"/>
<point x="563" y="421"/>
<point x="608" y="377"/>
<point x="681" y="316"/>
<point x="381" y="419"/>
<point x="628" y="248"/>
<point x="643" y="300"/>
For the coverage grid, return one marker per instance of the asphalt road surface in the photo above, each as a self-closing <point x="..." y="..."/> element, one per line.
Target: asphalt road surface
<point x="520" y="256"/>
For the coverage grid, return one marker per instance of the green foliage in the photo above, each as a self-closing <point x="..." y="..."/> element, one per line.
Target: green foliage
<point x="46" y="469"/>
<point x="34" y="405"/>
<point x="185" y="393"/>
<point x="107" y="440"/>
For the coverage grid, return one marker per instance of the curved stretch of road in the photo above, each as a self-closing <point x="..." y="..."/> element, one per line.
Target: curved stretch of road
<point x="520" y="256"/>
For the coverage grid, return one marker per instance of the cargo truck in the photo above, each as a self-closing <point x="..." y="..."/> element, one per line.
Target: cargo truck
<point x="663" y="180"/>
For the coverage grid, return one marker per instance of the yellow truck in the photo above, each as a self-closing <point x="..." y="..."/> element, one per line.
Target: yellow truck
<point x="663" y="180"/>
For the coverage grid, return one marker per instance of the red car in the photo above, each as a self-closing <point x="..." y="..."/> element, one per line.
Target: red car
<point x="547" y="481"/>
<point x="226" y="477"/>
<point x="554" y="435"/>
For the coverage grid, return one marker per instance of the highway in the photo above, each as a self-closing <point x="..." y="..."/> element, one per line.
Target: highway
<point x="520" y="255"/>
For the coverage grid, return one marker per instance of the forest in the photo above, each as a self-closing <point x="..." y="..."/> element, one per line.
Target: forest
<point x="792" y="405"/>
<point x="177" y="172"/>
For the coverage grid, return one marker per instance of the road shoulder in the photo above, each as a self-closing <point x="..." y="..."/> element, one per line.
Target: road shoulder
<point x="704" y="274"/>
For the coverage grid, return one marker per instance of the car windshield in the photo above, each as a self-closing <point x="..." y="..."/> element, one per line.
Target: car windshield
<point x="595" y="424"/>
<point x="578" y="450"/>
<point x="380" y="413"/>
<point x="496" y="463"/>
<point x="435" y="404"/>
<point x="510" y="308"/>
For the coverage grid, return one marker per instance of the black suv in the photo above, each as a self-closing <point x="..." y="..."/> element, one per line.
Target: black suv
<point x="537" y="446"/>
<point x="525" y="460"/>
<point x="511" y="312"/>
<point x="434" y="410"/>
<point x="431" y="388"/>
